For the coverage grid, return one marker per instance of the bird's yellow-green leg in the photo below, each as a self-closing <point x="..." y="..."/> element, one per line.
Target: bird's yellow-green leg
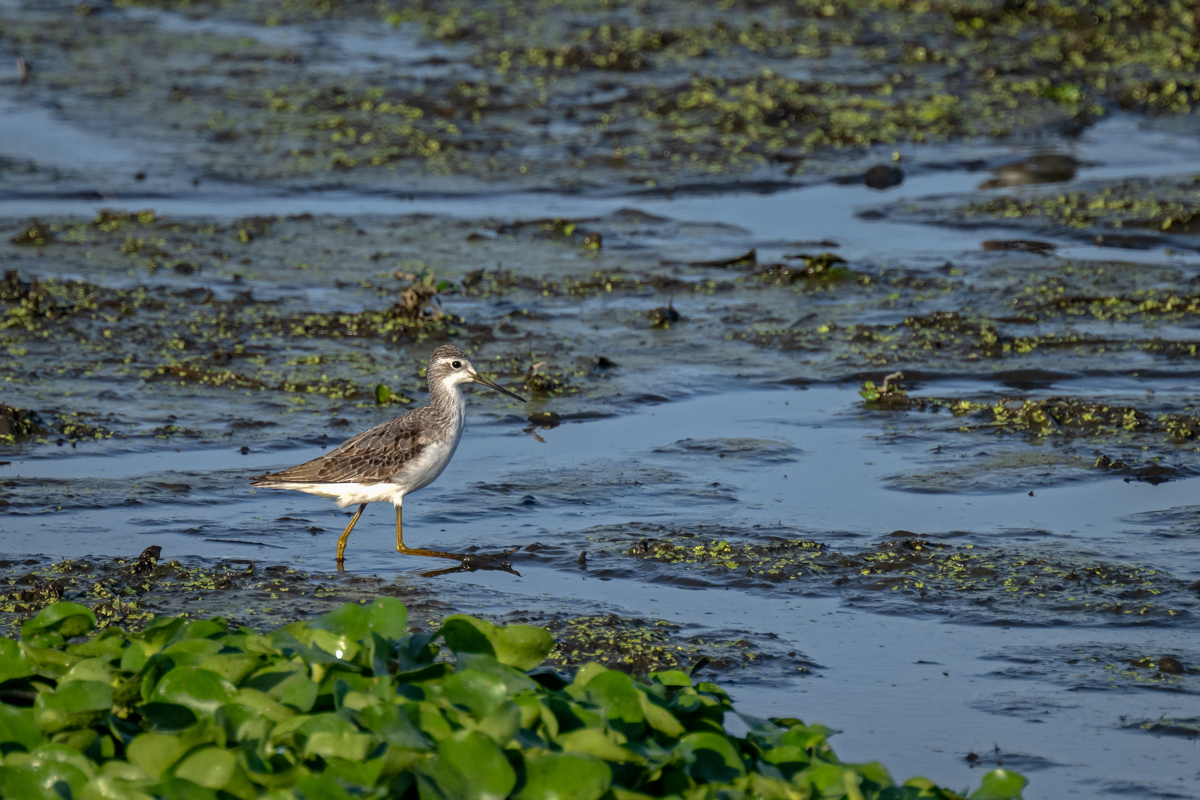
<point x="346" y="534"/>
<point x="412" y="551"/>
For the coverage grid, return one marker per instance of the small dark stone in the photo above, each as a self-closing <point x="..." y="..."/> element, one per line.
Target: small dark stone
<point x="245" y="450"/>
<point x="582" y="560"/>
<point x="663" y="317"/>
<point x="139" y="176"/>
<point x="883" y="176"/>
<point x="1171" y="666"/>
<point x="529" y="500"/>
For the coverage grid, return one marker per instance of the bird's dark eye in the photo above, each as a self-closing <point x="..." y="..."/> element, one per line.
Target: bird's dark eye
<point x="457" y="365"/>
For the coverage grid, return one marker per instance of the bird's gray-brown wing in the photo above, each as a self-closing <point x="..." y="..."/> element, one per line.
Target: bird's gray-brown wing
<point x="374" y="456"/>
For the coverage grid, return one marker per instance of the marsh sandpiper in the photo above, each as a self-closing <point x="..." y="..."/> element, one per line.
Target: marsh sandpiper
<point x="398" y="457"/>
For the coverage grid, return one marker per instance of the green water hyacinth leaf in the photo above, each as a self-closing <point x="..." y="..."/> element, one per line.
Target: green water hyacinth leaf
<point x="711" y="757"/>
<point x="520" y="646"/>
<point x="564" y="776"/>
<point x="200" y="690"/>
<point x="65" y="619"/>
<point x="1001" y="784"/>
<point x="154" y="753"/>
<point x="73" y="705"/>
<point x="40" y="780"/>
<point x="17" y="729"/>
<point x="13" y="662"/>
<point x="614" y="692"/>
<point x="188" y="709"/>
<point x="211" y="767"/>
<point x="469" y="767"/>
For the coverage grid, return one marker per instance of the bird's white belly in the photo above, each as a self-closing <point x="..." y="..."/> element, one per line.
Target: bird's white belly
<point x="348" y="494"/>
<point x="425" y="468"/>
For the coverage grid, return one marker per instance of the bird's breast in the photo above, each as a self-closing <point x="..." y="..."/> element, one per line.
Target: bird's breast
<point x="428" y="465"/>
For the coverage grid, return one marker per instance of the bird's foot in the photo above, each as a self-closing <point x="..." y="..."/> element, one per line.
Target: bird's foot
<point x="474" y="562"/>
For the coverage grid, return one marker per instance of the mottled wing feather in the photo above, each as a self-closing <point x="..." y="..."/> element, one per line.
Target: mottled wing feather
<point x="374" y="456"/>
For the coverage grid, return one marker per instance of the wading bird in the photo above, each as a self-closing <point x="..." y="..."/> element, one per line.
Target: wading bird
<point x="396" y="458"/>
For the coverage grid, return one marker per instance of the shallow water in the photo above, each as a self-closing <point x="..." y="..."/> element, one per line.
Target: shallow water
<point x="691" y="433"/>
<point x="871" y="662"/>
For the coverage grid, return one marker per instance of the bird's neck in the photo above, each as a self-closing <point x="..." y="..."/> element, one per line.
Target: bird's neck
<point x="449" y="401"/>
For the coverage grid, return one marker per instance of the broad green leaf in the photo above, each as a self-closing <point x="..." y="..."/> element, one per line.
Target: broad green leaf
<point x="877" y="773"/>
<point x="73" y="705"/>
<point x="18" y="728"/>
<point x="395" y="725"/>
<point x="711" y="757"/>
<point x="564" y="776"/>
<point x="475" y="690"/>
<point x="65" y="619"/>
<point x="13" y="661"/>
<point x="40" y="780"/>
<point x="230" y="666"/>
<point x="1000" y="784"/>
<point x="292" y="687"/>
<point x="263" y="703"/>
<point x="211" y="767"/>
<point x="108" y="645"/>
<point x="190" y="652"/>
<point x="594" y="742"/>
<point x="181" y="789"/>
<point x="319" y="787"/>
<point x="671" y="677"/>
<point x="107" y="787"/>
<point x="502" y="723"/>
<point x="520" y="646"/>
<point x="90" y="669"/>
<point x="61" y="754"/>
<point x="614" y="692"/>
<point x="470" y="766"/>
<point x="350" y="745"/>
<point x="660" y="718"/>
<point x="154" y="753"/>
<point x="587" y="672"/>
<point x="827" y="778"/>
<point x="157" y="634"/>
<point x="200" y="690"/>
<point x="388" y="617"/>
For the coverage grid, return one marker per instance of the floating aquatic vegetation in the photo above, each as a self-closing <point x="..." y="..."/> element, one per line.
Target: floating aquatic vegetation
<point x="1052" y="416"/>
<point x="642" y="646"/>
<point x="965" y="581"/>
<point x="354" y="701"/>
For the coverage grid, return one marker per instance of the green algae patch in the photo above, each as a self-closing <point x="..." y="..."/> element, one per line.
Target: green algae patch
<point x="1065" y="417"/>
<point x="355" y="702"/>
<point x="131" y="592"/>
<point x="906" y="573"/>
<point x="642" y="646"/>
<point x="657" y="95"/>
<point x="1167" y="205"/>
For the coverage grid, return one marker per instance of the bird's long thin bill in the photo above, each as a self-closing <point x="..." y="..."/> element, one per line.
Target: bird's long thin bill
<point x="498" y="388"/>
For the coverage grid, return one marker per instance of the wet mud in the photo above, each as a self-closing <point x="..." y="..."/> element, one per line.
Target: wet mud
<point x="129" y="593"/>
<point x="703" y="242"/>
<point x="903" y="574"/>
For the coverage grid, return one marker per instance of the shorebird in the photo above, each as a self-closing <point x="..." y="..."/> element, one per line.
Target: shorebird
<point x="396" y="458"/>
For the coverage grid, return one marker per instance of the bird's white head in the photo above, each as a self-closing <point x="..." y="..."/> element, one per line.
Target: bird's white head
<point x="450" y="368"/>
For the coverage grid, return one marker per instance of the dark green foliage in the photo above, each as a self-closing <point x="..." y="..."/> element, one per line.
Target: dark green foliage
<point x="351" y="705"/>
